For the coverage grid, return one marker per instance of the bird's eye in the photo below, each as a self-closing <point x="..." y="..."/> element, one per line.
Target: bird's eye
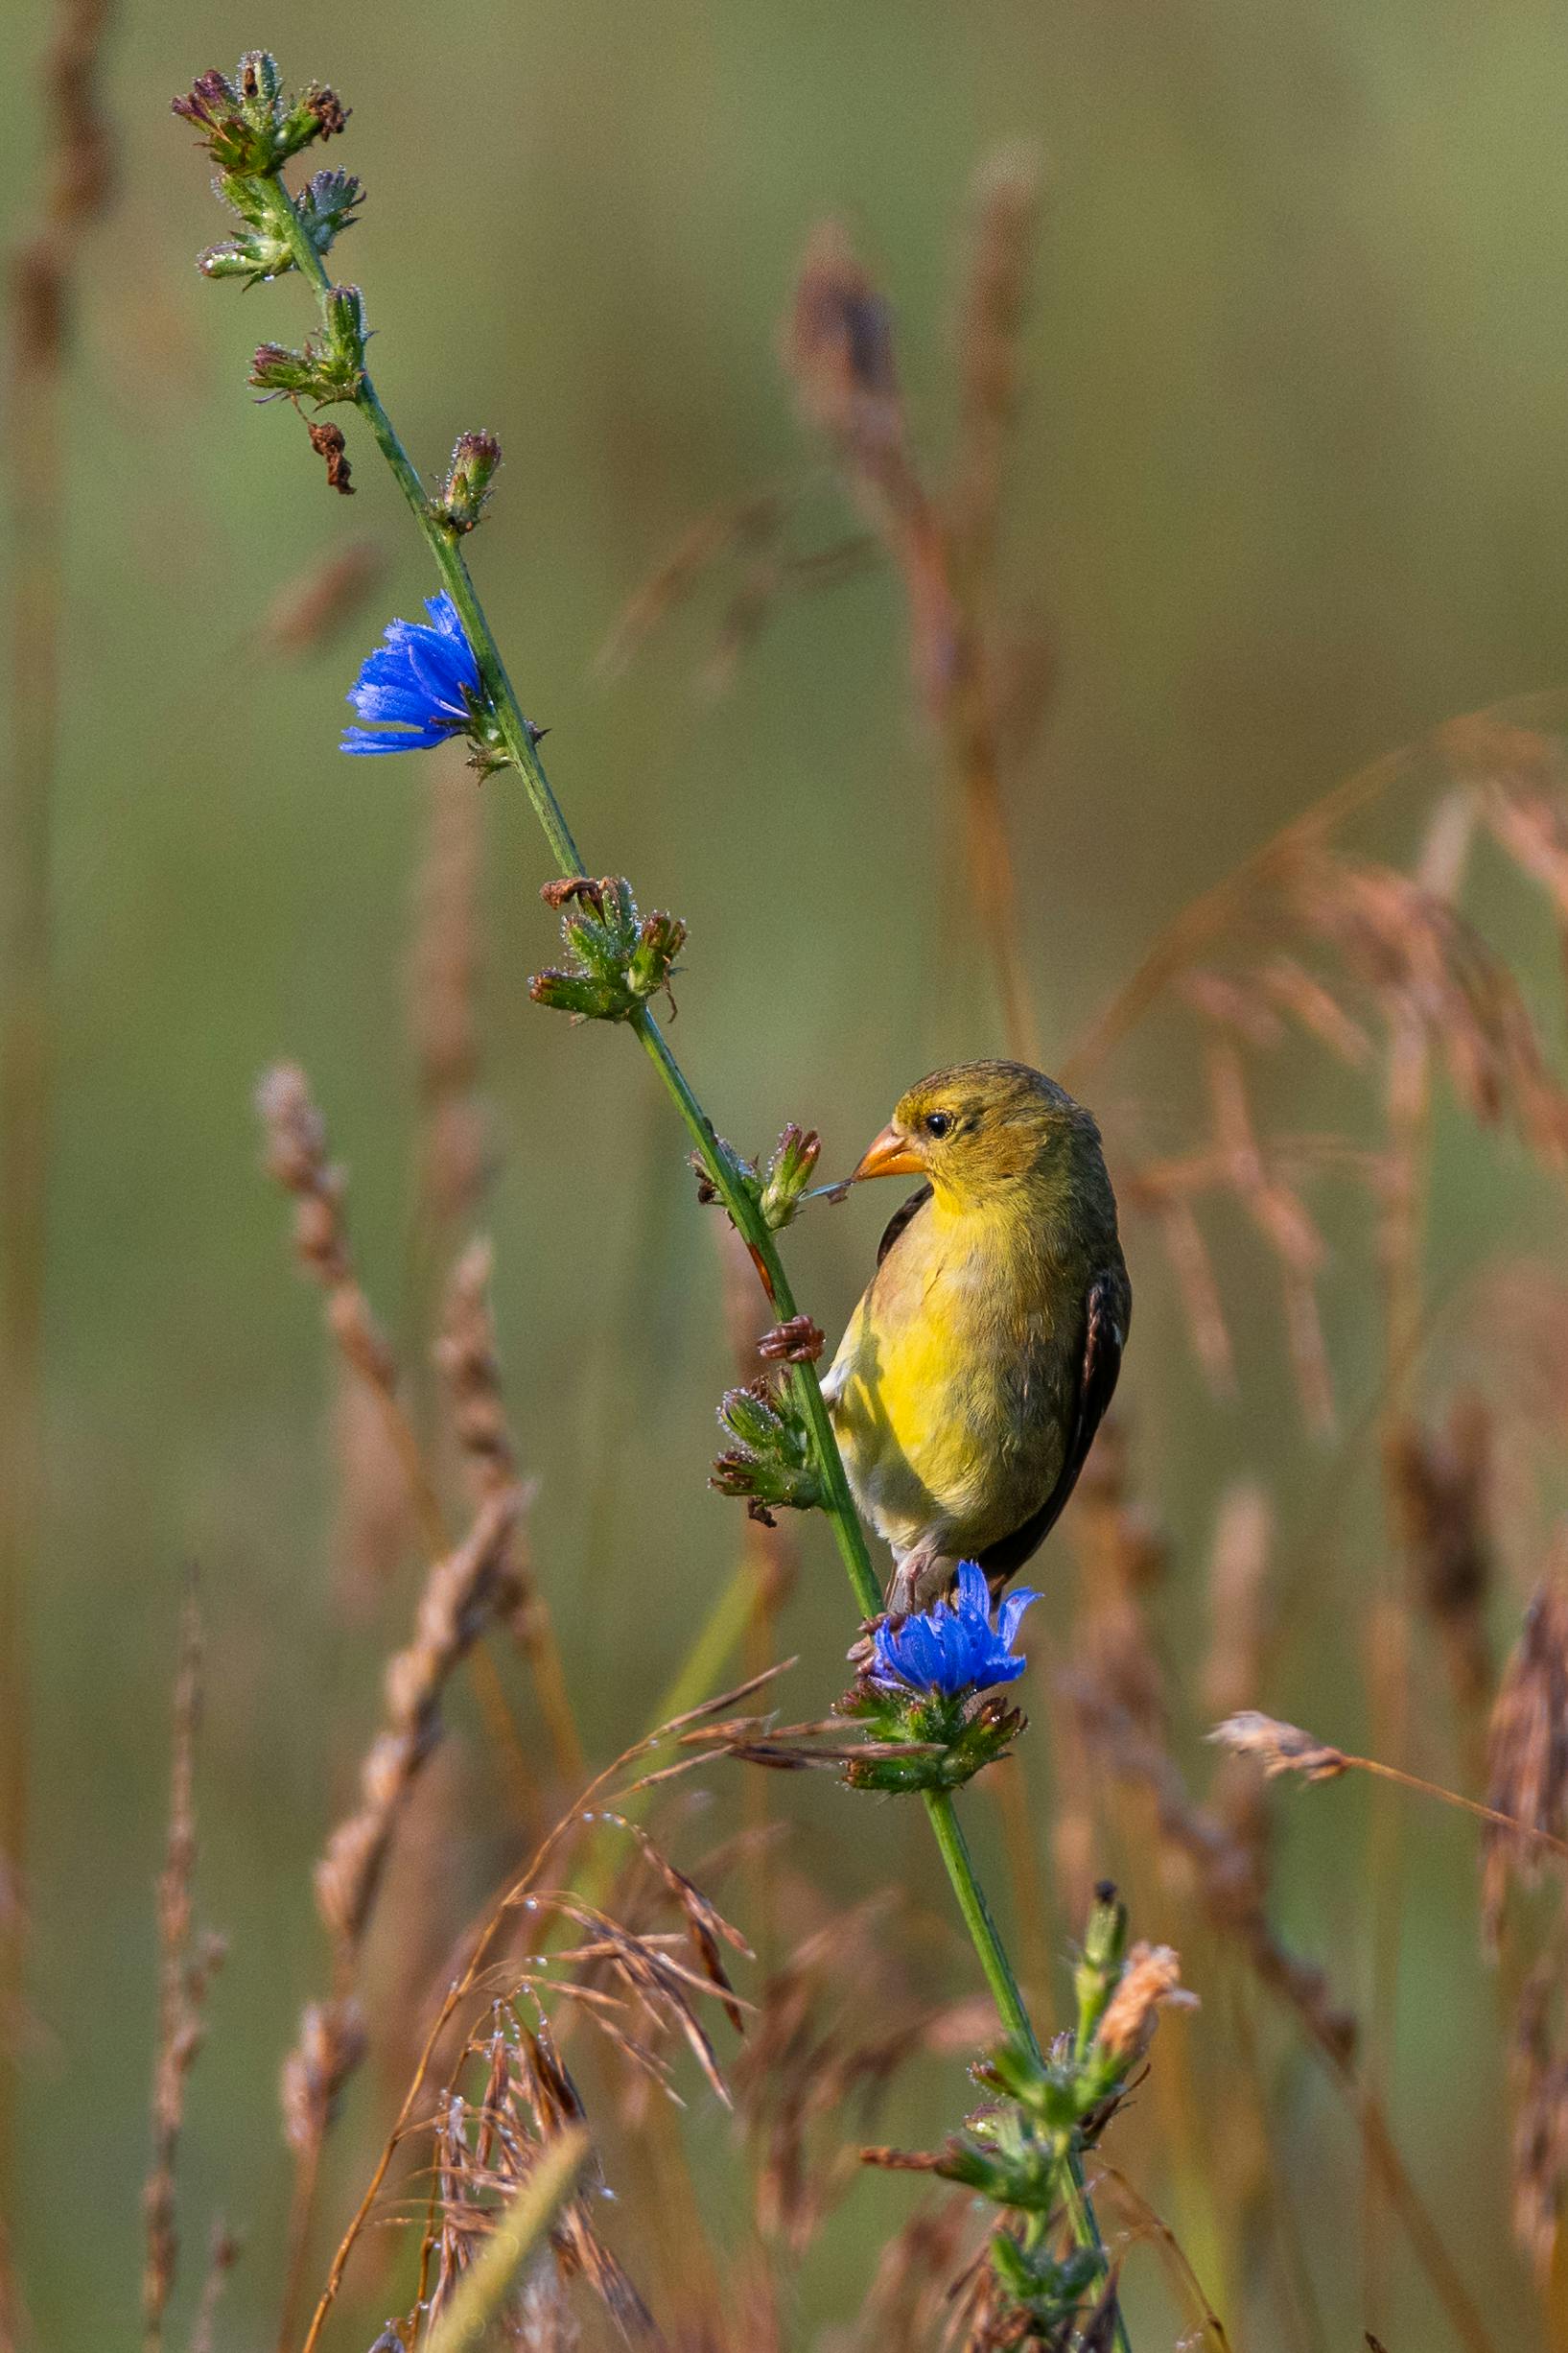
<point x="938" y="1122"/>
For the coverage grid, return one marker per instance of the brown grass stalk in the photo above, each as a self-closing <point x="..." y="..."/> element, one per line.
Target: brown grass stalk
<point x="186" y="1965"/>
<point x="839" y="346"/>
<point x="463" y="1595"/>
<point x="296" y="1159"/>
<point x="467" y="1359"/>
<point x="314" y="609"/>
<point x="463" y="1985"/>
<point x="77" y="183"/>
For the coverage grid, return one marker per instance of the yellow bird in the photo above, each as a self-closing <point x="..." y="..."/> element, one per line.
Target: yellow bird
<point x="968" y="1389"/>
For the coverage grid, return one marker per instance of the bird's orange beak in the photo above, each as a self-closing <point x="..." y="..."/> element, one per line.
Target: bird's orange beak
<point x="891" y="1154"/>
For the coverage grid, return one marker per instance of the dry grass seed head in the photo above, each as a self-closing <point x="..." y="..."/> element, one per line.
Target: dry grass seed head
<point x="1439" y="1479"/>
<point x="1540" y="2125"/>
<point x="187" y="1967"/>
<point x="470" y="1366"/>
<point x="295" y="1150"/>
<point x="469" y="1588"/>
<point x="1279" y="1747"/>
<point x="1527" y="1749"/>
<point x="330" y="2045"/>
<point x="838" y="348"/>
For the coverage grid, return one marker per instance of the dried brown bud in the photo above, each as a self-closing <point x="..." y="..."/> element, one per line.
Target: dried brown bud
<point x="329" y="111"/>
<point x="327" y="441"/>
<point x="570" y="887"/>
<point x="706" y="1189"/>
<point x="1151" y="1981"/>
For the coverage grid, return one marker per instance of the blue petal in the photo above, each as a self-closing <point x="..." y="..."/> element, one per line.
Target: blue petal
<point x="890" y="1671"/>
<point x="973" y="1592"/>
<point x="396" y="705"/>
<point x="359" y="740"/>
<point x="932" y="1654"/>
<point x="1010" y="1613"/>
<point x="393" y="738"/>
<point x="439" y="673"/>
<point x="444" y="616"/>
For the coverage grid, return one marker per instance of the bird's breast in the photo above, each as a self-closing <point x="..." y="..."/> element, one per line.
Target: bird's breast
<point x="953" y="1386"/>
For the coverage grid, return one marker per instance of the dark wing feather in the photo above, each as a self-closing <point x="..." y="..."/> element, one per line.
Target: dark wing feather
<point x="901" y="1218"/>
<point x="1108" y="1314"/>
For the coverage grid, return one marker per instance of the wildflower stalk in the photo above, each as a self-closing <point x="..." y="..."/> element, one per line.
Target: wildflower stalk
<point x="519" y="738"/>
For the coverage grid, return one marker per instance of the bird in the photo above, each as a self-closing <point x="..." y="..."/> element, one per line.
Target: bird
<point x="976" y="1368"/>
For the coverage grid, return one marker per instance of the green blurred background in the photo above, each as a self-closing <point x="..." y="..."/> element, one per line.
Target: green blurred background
<point x="1291" y="488"/>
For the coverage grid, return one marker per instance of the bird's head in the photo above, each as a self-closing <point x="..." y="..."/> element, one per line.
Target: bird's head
<point x="980" y="1128"/>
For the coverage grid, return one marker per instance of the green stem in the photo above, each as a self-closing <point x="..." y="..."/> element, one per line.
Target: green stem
<point x="838" y="1504"/>
<point x="977" y="1919"/>
<point x="1004" y="1992"/>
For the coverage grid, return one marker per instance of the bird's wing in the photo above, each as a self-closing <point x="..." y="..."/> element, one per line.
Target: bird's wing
<point x="901" y="1218"/>
<point x="1105" y="1333"/>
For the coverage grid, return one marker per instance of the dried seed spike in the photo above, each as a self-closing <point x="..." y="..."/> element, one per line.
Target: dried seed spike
<point x="1539" y="2143"/>
<point x="706" y="1924"/>
<point x="309" y="611"/>
<point x="187" y="1965"/>
<point x="839" y="349"/>
<point x="993" y="302"/>
<point x="1527" y="1750"/>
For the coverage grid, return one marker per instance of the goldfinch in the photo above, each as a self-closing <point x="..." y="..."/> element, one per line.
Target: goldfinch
<point x="968" y="1388"/>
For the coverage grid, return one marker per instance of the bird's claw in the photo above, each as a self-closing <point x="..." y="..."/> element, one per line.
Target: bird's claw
<point x="799" y="1341"/>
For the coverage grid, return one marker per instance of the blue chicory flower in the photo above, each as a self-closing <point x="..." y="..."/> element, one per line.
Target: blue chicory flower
<point x="419" y="687"/>
<point x="955" y="1646"/>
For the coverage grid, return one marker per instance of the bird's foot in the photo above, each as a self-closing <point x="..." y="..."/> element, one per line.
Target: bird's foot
<point x="799" y="1341"/>
<point x="920" y="1578"/>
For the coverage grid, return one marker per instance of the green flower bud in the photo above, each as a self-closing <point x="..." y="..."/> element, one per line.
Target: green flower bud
<point x="618" y="958"/>
<point x="344" y="356"/>
<point x="660" y="939"/>
<point x="789" y="1173"/>
<point x="245" y="125"/>
<point x="1100" y="1964"/>
<point x="466" y="491"/>
<point x="328" y="206"/>
<point x="770" y="1463"/>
